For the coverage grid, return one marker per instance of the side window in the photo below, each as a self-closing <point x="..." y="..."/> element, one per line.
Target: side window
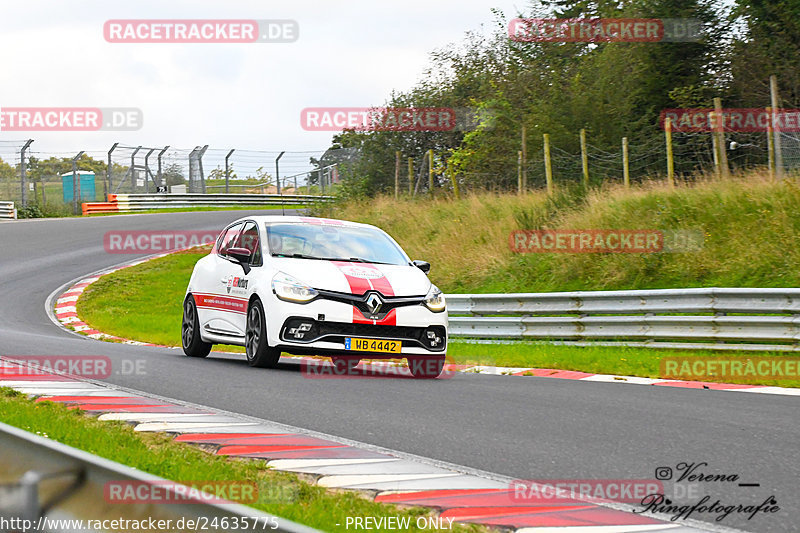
<point x="228" y="239"/>
<point x="249" y="239"/>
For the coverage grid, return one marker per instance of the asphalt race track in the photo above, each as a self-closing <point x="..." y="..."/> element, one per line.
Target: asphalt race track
<point x="522" y="427"/>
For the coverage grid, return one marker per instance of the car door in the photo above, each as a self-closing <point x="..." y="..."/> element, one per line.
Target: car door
<point x="221" y="304"/>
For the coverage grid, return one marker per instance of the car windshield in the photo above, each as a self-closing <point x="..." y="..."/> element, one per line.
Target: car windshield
<point x="326" y="242"/>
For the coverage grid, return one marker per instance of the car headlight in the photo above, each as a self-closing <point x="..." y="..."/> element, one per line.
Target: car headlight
<point x="434" y="300"/>
<point x="291" y="289"/>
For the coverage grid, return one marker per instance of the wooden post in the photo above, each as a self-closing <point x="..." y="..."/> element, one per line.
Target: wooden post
<point x="410" y="176"/>
<point x="396" y="175"/>
<point x="519" y="172"/>
<point x="626" y="176"/>
<point x="670" y="162"/>
<point x="770" y="146"/>
<point x="584" y="159"/>
<point x="548" y="166"/>
<point x="720" y="131"/>
<point x="776" y="131"/>
<point x="430" y="171"/>
<point x="524" y="165"/>
<point x="452" y="173"/>
<point x="715" y="147"/>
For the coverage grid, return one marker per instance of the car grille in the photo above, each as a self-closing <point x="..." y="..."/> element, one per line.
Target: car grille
<point x="306" y="330"/>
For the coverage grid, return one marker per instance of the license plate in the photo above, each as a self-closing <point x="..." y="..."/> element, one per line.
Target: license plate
<point x="371" y="345"/>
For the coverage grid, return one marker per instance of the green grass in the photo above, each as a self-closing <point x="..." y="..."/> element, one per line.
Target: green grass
<point x="750" y="223"/>
<point x="201" y="208"/>
<point x="286" y="494"/>
<point x="144" y="303"/>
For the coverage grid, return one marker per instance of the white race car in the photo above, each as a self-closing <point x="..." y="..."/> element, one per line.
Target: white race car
<point x="314" y="286"/>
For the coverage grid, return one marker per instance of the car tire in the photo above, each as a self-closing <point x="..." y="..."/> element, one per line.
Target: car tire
<point x="192" y="344"/>
<point x="429" y="367"/>
<point x="259" y="352"/>
<point x="345" y="365"/>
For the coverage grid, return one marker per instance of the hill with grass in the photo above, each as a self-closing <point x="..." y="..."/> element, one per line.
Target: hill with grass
<point x="748" y="226"/>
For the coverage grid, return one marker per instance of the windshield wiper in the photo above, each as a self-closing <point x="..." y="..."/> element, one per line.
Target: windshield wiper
<point x="343" y="259"/>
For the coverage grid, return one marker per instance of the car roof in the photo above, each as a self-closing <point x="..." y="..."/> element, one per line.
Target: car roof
<point x="280" y="219"/>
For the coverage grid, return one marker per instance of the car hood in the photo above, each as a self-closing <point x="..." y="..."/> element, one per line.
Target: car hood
<point x="356" y="278"/>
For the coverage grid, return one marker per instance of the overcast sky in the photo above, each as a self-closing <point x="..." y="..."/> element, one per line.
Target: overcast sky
<point x="245" y="96"/>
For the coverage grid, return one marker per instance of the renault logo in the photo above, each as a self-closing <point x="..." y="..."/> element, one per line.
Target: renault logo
<point x="374" y="303"/>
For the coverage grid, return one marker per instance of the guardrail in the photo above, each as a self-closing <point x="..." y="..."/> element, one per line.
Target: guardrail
<point x="125" y="203"/>
<point x="734" y="318"/>
<point x="7" y="210"/>
<point x="80" y="493"/>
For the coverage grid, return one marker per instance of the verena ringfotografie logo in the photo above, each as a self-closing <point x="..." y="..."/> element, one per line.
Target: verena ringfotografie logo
<point x="602" y="30"/>
<point x="392" y="119"/>
<point x="726" y="368"/>
<point x="734" y="119"/>
<point x="632" y="241"/>
<point x="201" y="31"/>
<point x="85" y="366"/>
<point x="137" y="242"/>
<point x="170" y="492"/>
<point x="563" y="491"/>
<point x="320" y="369"/>
<point x="70" y="119"/>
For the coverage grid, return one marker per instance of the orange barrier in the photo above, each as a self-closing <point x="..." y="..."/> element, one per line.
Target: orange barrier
<point x="89" y="208"/>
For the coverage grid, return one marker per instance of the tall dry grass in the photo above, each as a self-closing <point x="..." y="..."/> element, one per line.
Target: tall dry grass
<point x="749" y="222"/>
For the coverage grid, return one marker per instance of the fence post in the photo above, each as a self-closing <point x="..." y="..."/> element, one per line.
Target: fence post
<point x="133" y="170"/>
<point x="524" y="160"/>
<point x="519" y="172"/>
<point x="548" y="166"/>
<point x="228" y="173"/>
<point x="147" y="171"/>
<point x="776" y="131"/>
<point x="670" y="161"/>
<point x="450" y="169"/>
<point x="160" y="176"/>
<point x="626" y="176"/>
<point x="277" y="172"/>
<point x="430" y="171"/>
<point x="584" y="159"/>
<point x="770" y="146"/>
<point x="397" y="174"/>
<point x="22" y="172"/>
<point x="720" y="130"/>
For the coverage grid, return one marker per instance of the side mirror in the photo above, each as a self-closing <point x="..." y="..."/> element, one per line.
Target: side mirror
<point x="422" y="265"/>
<point x="241" y="256"/>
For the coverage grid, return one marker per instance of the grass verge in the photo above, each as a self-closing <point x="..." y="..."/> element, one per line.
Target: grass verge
<point x="158" y="454"/>
<point x="144" y="302"/>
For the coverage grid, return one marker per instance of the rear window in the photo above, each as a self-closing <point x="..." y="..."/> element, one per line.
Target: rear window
<point x="344" y="243"/>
